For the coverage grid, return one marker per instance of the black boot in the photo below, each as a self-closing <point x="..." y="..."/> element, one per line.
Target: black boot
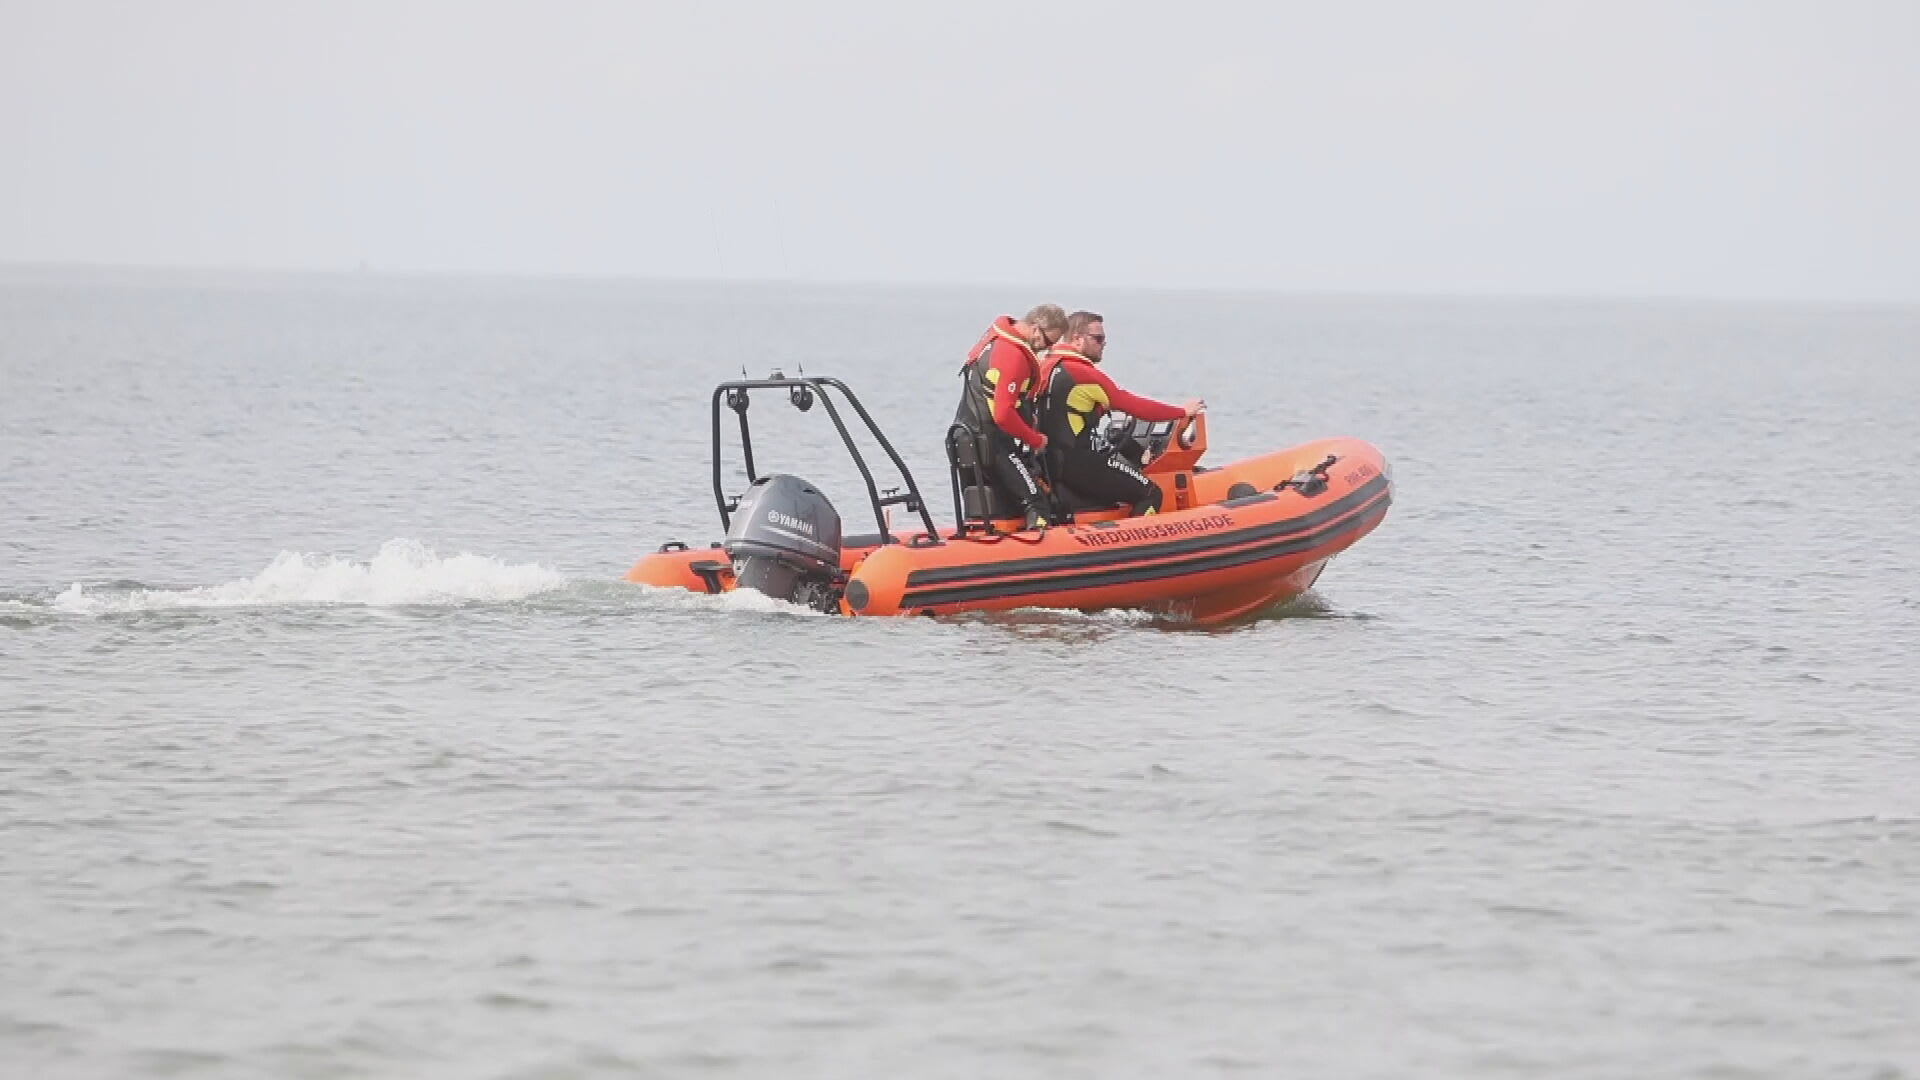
<point x="1149" y="503"/>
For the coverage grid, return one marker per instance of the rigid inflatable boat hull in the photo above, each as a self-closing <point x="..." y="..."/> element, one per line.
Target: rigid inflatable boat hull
<point x="1228" y="546"/>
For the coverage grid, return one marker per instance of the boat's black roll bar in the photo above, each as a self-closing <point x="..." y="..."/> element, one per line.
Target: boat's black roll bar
<point x="802" y="391"/>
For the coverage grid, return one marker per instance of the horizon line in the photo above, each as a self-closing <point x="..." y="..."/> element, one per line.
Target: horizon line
<point x="366" y="270"/>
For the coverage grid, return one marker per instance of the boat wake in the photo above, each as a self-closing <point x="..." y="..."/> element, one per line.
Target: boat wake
<point x="409" y="574"/>
<point x="402" y="573"/>
<point x="731" y="602"/>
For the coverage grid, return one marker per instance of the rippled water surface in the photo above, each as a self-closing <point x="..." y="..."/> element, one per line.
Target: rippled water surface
<point x="334" y="745"/>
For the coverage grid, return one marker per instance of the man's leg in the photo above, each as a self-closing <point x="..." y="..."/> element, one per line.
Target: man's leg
<point x="1016" y="477"/>
<point x="1108" y="478"/>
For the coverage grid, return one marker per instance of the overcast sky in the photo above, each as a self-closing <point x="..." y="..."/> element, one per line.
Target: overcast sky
<point x="1726" y="149"/>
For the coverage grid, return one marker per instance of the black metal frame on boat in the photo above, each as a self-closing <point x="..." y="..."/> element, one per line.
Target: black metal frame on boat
<point x="802" y="391"/>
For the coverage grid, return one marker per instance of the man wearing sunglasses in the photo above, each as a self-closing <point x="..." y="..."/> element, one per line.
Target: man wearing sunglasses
<point x="1073" y="396"/>
<point x="999" y="375"/>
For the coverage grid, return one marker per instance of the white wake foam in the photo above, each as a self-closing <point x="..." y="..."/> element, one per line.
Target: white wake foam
<point x="403" y="572"/>
<point x="733" y="601"/>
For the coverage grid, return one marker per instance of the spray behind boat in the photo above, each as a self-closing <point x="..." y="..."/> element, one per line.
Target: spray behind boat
<point x="785" y="541"/>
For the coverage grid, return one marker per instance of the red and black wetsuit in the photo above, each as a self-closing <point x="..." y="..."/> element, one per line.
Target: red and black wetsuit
<point x="999" y="376"/>
<point x="1073" y="397"/>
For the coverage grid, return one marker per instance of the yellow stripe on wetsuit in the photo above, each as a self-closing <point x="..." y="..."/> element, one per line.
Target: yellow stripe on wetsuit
<point x="991" y="376"/>
<point x="1084" y="401"/>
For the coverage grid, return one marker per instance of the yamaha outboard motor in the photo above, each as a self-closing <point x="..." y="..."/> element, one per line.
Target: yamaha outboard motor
<point x="785" y="542"/>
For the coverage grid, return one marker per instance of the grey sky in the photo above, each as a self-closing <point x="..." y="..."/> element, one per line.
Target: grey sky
<point x="1745" y="149"/>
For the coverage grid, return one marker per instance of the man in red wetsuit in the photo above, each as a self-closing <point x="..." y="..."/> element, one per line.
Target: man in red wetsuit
<point x="995" y="400"/>
<point x="1073" y="395"/>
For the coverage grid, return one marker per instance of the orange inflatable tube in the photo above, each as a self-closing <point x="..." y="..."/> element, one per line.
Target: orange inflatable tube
<point x="1238" y="546"/>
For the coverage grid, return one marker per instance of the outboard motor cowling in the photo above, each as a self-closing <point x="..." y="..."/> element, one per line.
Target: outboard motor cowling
<point x="785" y="542"/>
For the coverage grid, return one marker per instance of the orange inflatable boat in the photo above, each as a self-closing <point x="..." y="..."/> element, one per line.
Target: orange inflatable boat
<point x="1227" y="543"/>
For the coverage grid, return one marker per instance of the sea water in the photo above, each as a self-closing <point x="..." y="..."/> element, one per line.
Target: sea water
<point x="334" y="745"/>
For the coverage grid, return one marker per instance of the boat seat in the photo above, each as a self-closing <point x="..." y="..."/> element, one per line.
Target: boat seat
<point x="981" y="499"/>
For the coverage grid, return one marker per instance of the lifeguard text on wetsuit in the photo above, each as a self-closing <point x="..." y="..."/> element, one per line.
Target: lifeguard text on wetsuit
<point x="1157" y="531"/>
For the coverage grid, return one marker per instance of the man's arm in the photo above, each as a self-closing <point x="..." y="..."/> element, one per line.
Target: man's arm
<point x="1132" y="404"/>
<point x="1006" y="403"/>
